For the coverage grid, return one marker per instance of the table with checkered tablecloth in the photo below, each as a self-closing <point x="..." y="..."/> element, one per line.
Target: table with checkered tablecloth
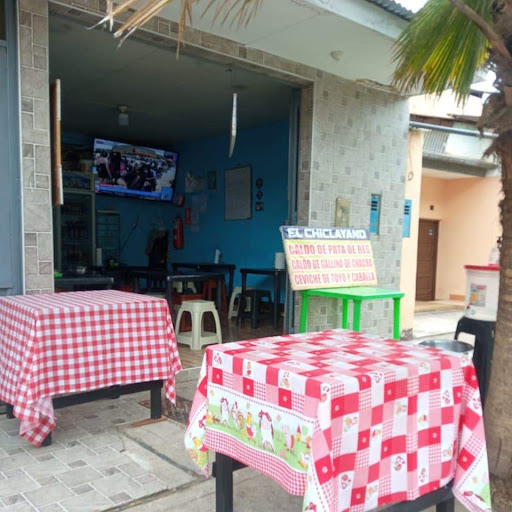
<point x="63" y="343"/>
<point x="350" y="421"/>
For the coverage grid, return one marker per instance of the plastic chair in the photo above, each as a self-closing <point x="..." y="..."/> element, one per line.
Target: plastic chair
<point x="484" y="333"/>
<point x="198" y="337"/>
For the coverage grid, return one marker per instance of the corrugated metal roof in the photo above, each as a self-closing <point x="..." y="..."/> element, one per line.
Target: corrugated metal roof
<point x="394" y="8"/>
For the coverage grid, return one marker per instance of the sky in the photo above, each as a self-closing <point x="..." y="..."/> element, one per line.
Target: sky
<point x="487" y="85"/>
<point x="413" y="5"/>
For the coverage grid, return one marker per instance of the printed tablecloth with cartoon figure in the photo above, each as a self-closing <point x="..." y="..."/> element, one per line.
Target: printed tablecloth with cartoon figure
<point x="350" y="421"/>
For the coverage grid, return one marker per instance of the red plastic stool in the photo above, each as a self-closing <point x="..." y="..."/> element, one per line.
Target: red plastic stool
<point x="210" y="288"/>
<point x="178" y="299"/>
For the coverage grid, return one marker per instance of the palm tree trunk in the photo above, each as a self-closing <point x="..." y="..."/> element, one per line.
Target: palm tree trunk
<point x="498" y="409"/>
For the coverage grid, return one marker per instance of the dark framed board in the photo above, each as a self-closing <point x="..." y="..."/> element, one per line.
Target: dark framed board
<point x="237" y="193"/>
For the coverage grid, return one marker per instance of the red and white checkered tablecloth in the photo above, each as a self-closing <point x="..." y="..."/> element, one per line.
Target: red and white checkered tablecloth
<point x="350" y="421"/>
<point x="61" y="343"/>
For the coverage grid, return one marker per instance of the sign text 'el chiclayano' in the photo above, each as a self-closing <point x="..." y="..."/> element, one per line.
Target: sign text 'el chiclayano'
<point x="328" y="257"/>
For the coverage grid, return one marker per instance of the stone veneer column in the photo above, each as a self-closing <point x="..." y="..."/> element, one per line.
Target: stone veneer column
<point x="359" y="147"/>
<point x="35" y="135"/>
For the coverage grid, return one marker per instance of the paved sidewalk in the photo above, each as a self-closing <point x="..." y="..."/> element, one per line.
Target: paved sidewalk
<point x="440" y="324"/>
<point x="88" y="466"/>
<point x="99" y="461"/>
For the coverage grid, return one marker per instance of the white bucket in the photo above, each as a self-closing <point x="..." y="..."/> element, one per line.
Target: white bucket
<point x="482" y="290"/>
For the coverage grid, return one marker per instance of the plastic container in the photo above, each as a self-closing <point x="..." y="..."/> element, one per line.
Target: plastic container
<point x="279" y="261"/>
<point x="482" y="290"/>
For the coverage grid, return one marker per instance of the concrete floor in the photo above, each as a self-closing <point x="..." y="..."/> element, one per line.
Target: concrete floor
<point x="438" y="305"/>
<point x="432" y="324"/>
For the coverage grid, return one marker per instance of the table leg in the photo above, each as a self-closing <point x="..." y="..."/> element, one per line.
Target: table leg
<point x="168" y="296"/>
<point x="223" y="483"/>
<point x="277" y="298"/>
<point x="115" y="392"/>
<point x="344" y="314"/>
<point x="304" y="313"/>
<point x="396" y="319"/>
<point x="241" y="304"/>
<point x="231" y="279"/>
<point x="446" y="506"/>
<point x="47" y="440"/>
<point x="9" y="411"/>
<point x="357" y="315"/>
<point x="156" y="400"/>
<point x="218" y="296"/>
<point x="255" y="308"/>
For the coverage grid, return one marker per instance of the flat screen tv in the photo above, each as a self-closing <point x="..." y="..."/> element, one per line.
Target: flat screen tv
<point x="134" y="171"/>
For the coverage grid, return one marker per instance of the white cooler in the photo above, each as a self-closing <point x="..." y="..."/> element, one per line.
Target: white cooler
<point x="482" y="290"/>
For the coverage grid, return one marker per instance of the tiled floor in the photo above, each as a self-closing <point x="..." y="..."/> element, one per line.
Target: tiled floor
<point x="100" y="460"/>
<point x="230" y="332"/>
<point x="89" y="467"/>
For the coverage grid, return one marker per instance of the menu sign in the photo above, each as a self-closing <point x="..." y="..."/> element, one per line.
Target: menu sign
<point x="328" y="257"/>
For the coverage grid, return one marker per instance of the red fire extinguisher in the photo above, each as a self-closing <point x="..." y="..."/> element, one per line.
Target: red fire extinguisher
<point x="178" y="240"/>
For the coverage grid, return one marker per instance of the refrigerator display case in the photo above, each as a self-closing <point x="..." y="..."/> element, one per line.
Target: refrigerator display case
<point x="74" y="224"/>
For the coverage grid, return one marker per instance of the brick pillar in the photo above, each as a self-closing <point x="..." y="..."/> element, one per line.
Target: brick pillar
<point x="35" y="135"/>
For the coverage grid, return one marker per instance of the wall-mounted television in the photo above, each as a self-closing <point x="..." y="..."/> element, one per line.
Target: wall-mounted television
<point x="134" y="171"/>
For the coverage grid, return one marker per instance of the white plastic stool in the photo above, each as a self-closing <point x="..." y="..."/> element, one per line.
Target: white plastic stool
<point x="197" y="337"/>
<point x="232" y="312"/>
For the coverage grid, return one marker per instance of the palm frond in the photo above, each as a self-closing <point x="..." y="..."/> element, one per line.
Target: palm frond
<point x="239" y="11"/>
<point x="441" y="48"/>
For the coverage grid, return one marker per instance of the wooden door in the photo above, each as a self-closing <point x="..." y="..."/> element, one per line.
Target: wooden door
<point x="427" y="260"/>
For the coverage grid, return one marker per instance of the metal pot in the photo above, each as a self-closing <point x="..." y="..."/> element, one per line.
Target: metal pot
<point x="460" y="347"/>
<point x="78" y="270"/>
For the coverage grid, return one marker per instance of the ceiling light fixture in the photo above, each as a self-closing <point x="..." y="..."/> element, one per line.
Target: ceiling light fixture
<point x="123" y="118"/>
<point x="337" y="55"/>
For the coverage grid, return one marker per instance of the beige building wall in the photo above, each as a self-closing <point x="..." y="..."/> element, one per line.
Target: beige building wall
<point x="468" y="211"/>
<point x="410" y="245"/>
<point x="433" y="200"/>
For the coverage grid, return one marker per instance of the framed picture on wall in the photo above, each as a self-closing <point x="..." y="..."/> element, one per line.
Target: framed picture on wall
<point x="237" y="193"/>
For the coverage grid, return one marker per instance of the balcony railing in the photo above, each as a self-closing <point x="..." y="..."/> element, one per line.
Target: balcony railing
<point x="435" y="142"/>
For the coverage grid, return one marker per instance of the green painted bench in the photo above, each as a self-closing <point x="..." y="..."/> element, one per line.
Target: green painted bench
<point x="357" y="294"/>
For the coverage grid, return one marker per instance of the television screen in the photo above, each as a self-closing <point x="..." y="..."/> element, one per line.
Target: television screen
<point x="134" y="171"/>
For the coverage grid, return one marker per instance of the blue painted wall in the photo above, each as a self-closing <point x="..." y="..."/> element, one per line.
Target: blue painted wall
<point x="138" y="218"/>
<point x="248" y="243"/>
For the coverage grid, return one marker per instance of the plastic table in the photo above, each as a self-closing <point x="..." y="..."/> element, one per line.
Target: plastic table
<point x="277" y="274"/>
<point x="357" y="294"/>
<point x="210" y="267"/>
